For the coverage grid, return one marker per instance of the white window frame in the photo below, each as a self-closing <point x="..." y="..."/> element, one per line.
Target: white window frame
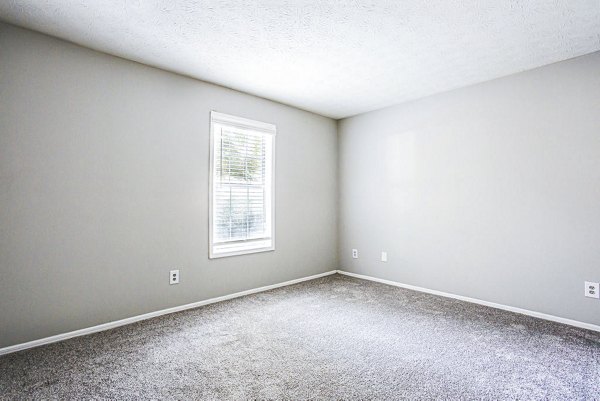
<point x="244" y="247"/>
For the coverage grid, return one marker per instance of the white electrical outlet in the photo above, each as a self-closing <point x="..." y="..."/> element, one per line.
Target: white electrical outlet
<point x="355" y="253"/>
<point x="174" y="277"/>
<point x="591" y="290"/>
<point x="383" y="256"/>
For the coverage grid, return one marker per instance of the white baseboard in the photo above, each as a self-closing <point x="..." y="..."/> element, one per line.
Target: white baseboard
<point x="129" y="320"/>
<point x="123" y="322"/>
<point x="539" y="315"/>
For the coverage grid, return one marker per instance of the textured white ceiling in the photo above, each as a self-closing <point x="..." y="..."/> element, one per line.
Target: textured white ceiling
<point x="336" y="58"/>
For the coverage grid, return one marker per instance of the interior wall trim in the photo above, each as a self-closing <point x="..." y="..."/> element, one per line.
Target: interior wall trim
<point x="150" y="315"/>
<point x="527" y="312"/>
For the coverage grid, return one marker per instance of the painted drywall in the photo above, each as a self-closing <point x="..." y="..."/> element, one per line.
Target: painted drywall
<point x="104" y="189"/>
<point x="490" y="191"/>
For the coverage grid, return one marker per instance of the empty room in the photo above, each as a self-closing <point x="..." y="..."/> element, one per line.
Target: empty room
<point x="299" y="200"/>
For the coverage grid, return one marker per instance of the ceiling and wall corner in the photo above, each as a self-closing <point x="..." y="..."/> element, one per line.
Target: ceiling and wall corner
<point x="333" y="58"/>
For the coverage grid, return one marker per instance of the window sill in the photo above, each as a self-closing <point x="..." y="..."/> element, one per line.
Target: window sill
<point x="237" y="249"/>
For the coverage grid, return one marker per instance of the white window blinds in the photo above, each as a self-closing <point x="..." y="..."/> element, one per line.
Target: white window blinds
<point x="242" y="186"/>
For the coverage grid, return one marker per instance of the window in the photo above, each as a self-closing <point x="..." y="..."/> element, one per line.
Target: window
<point x="241" y="187"/>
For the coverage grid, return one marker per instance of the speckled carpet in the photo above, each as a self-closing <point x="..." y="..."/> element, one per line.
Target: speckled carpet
<point x="331" y="338"/>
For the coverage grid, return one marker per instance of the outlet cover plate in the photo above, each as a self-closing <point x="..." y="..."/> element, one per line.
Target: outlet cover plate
<point x="592" y="290"/>
<point x="174" y="277"/>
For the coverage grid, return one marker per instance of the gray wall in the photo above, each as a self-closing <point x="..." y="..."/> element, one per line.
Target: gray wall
<point x="104" y="189"/>
<point x="491" y="191"/>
